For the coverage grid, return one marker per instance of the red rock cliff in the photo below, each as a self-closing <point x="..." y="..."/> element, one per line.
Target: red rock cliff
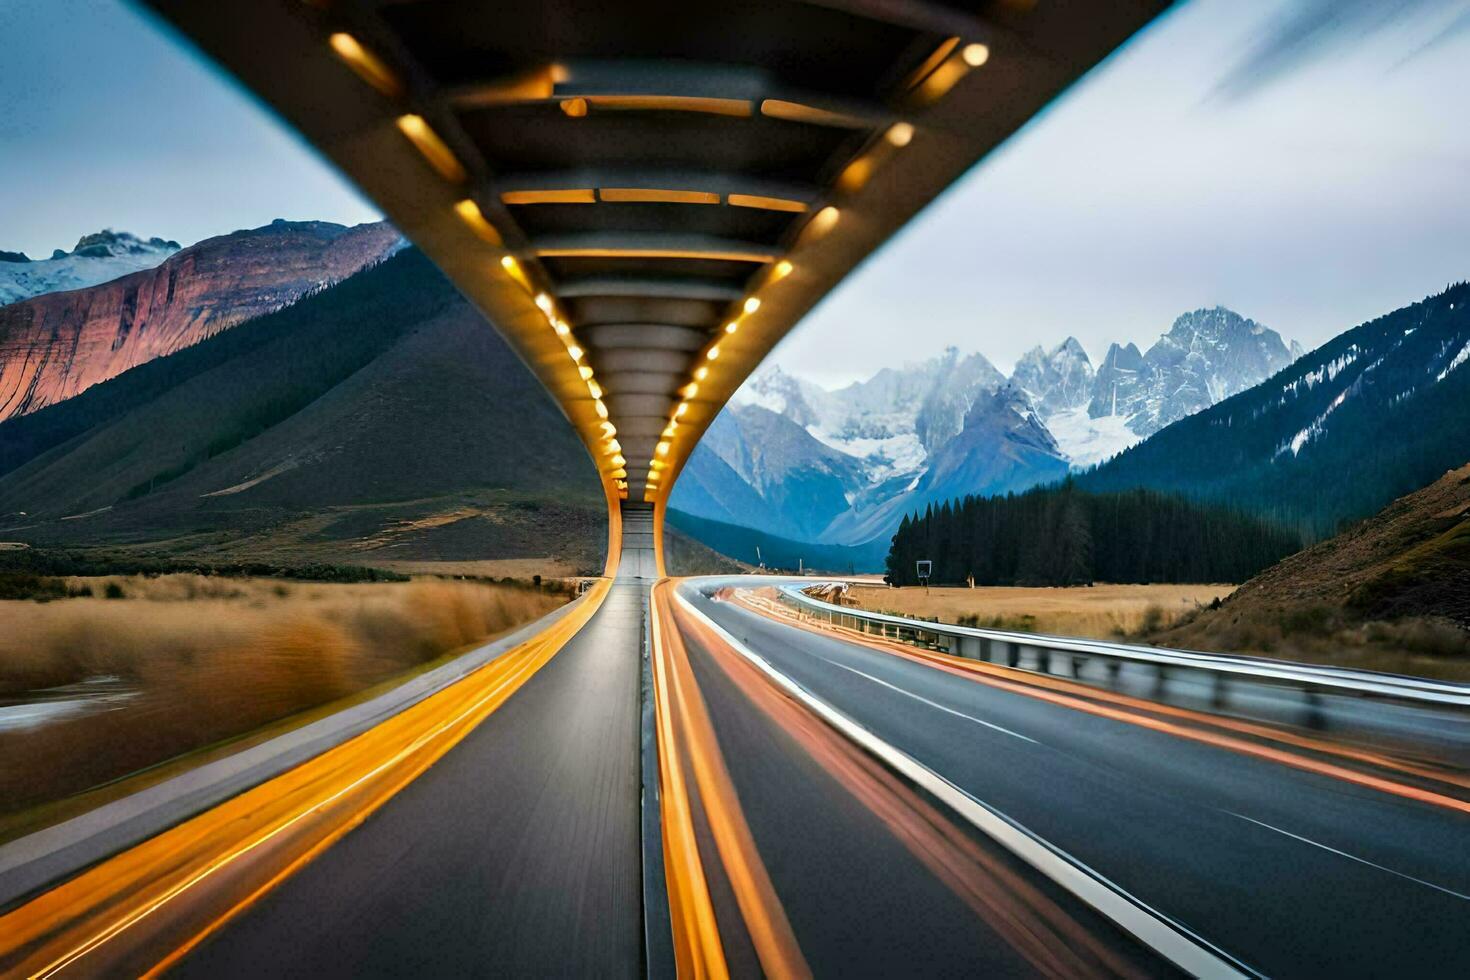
<point x="57" y="345"/>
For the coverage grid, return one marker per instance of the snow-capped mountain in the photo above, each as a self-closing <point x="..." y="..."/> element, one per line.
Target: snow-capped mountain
<point x="1206" y="356"/>
<point x="99" y="257"/>
<point x="1002" y="446"/>
<point x="755" y="466"/>
<point x="953" y="425"/>
<point x="1377" y="412"/>
<point x="1060" y="385"/>
<point x="1058" y="381"/>
<point x="893" y="420"/>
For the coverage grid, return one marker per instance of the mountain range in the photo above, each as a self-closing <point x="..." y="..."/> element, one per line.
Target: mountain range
<point x="848" y="464"/>
<point x="375" y="421"/>
<point x="98" y="257"/>
<point x="58" y="342"/>
<point x="1375" y="413"/>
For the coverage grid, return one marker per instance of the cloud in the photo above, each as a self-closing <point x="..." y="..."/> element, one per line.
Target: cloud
<point x="1311" y="29"/>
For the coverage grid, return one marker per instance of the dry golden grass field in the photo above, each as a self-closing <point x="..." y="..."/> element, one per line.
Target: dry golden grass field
<point x="94" y="688"/>
<point x="1102" y="612"/>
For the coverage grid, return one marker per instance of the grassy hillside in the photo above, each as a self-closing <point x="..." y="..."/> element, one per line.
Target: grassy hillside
<point x="1389" y="593"/>
<point x="382" y="420"/>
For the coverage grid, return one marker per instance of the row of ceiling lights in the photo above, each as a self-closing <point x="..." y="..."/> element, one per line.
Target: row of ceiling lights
<point x="944" y="67"/>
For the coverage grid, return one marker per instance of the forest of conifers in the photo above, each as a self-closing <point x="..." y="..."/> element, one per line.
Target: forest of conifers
<point x="1060" y="535"/>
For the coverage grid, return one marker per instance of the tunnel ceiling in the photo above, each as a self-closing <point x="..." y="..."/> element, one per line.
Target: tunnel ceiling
<point x="645" y="196"/>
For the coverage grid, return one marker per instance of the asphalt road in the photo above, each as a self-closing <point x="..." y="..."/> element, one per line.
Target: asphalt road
<point x="517" y="854"/>
<point x="1290" y="872"/>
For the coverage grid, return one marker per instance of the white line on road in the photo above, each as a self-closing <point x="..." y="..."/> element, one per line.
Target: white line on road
<point x="1350" y="857"/>
<point x="932" y="704"/>
<point x="1155" y="930"/>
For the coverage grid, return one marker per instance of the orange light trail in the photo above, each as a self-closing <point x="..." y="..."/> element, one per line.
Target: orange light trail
<point x="1033" y="924"/>
<point x="1044" y="689"/>
<point x="770" y="931"/>
<point x="104" y="919"/>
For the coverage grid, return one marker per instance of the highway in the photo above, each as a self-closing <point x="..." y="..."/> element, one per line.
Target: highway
<point x="821" y="803"/>
<point x="1283" y="870"/>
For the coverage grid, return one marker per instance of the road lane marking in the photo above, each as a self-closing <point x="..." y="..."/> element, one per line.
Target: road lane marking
<point x="1191" y="953"/>
<point x="979" y="671"/>
<point x="1350" y="857"/>
<point x="932" y="704"/>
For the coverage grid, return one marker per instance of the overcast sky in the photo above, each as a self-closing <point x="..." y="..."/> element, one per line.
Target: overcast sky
<point x="107" y="121"/>
<point x="1305" y="163"/>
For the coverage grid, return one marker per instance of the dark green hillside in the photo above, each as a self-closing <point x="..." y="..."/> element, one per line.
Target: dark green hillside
<point x="1061" y="535"/>
<point x="382" y="419"/>
<point x="740" y="543"/>
<point x="1376" y="413"/>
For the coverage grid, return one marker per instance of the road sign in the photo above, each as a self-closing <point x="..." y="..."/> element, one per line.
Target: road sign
<point x="922" y="570"/>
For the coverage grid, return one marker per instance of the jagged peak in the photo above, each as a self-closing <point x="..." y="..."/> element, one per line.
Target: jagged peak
<point x="110" y="242"/>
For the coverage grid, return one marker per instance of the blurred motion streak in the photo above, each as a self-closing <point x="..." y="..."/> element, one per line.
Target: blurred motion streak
<point x="1047" y="688"/>
<point x="1045" y="934"/>
<point x="104" y="920"/>
<point x="765" y="919"/>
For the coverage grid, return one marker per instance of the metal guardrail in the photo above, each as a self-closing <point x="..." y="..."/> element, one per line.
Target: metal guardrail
<point x="1413" y="711"/>
<point x="1324" y="678"/>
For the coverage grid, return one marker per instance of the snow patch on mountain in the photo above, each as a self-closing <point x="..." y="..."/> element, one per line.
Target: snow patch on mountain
<point x="97" y="258"/>
<point x="1087" y="441"/>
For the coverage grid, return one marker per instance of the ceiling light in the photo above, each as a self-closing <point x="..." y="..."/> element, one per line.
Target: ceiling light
<point x="575" y="352"/>
<point x="469" y="212"/>
<point x="609" y="429"/>
<point x="543" y="301"/>
<point x="712" y="354"/>
<point x="431" y="147"/>
<point x="680" y="409"/>
<point x="561" y="328"/>
<point x="752" y="304"/>
<point x="669" y="430"/>
<point x="823" y="221"/>
<point x="975" y="55"/>
<point x="662" y="448"/>
<point x="593" y="388"/>
<point x="731" y="327"/>
<point x="613" y="446"/>
<point x="690" y="390"/>
<point x="700" y="373"/>
<point x="618" y="460"/>
<point x="365" y="64"/>
<point x="586" y="373"/>
<point x="900" y="133"/>
<point x="783" y="269"/>
<point x="601" y="408"/>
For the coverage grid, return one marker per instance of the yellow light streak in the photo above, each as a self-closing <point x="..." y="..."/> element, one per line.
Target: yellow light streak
<point x="366" y="64"/>
<point x="431" y="147"/>
<point x="764" y="203"/>
<point x="570" y="196"/>
<point x="469" y="213"/>
<point x="641" y="195"/>
<point x="280" y="825"/>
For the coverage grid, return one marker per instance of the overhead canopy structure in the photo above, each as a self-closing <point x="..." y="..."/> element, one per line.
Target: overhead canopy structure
<point x="644" y="196"/>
